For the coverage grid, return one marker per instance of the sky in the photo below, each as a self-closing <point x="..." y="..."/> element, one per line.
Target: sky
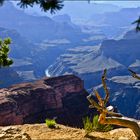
<point x="123" y="3"/>
<point x="82" y="9"/>
<point x="67" y="4"/>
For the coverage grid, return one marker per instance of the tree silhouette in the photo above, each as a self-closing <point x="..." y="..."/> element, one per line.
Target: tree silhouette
<point x="45" y="5"/>
<point x="138" y="24"/>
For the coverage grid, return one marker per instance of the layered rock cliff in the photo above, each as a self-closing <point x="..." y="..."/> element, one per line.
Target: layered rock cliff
<point x="61" y="97"/>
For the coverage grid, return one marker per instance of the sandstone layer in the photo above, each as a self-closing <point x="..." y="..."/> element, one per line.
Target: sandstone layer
<point x="62" y="97"/>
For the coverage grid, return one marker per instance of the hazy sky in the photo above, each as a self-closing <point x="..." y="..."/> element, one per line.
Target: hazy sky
<point x="83" y="8"/>
<point x="123" y="3"/>
<point x="68" y="4"/>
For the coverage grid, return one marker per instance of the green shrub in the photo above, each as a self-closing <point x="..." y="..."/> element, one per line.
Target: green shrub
<point x="94" y="125"/>
<point x="4" y="52"/>
<point x="88" y="126"/>
<point x="50" y="123"/>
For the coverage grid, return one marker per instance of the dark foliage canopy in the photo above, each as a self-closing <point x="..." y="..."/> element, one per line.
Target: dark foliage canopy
<point x="45" y="5"/>
<point x="138" y="24"/>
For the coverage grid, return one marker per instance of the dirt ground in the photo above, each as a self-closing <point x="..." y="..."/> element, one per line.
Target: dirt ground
<point x="42" y="132"/>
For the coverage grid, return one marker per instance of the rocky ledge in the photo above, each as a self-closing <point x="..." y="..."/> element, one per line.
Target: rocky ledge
<point x="62" y="97"/>
<point x="42" y="132"/>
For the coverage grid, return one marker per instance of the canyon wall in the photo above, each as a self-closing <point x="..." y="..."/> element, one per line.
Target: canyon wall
<point x="63" y="98"/>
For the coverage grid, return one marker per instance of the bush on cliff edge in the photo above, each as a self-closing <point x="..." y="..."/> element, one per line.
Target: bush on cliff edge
<point x="94" y="125"/>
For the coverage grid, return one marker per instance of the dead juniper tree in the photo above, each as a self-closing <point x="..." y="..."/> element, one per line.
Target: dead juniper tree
<point x="107" y="116"/>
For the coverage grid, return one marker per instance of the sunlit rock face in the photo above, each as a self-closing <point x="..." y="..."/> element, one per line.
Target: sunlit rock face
<point x="61" y="97"/>
<point x="88" y="62"/>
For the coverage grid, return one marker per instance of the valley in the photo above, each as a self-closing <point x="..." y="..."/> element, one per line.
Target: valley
<point x="65" y="44"/>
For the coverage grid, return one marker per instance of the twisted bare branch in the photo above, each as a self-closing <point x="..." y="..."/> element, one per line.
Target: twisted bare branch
<point x="134" y="74"/>
<point x="125" y="122"/>
<point x="105" y="87"/>
<point x="116" y="118"/>
<point x="93" y="103"/>
<point x="101" y="102"/>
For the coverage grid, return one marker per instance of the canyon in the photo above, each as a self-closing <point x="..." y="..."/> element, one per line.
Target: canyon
<point x="63" y="48"/>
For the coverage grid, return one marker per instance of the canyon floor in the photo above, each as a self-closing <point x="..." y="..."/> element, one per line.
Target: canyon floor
<point x="42" y="132"/>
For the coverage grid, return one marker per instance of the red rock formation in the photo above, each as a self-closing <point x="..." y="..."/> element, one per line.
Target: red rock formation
<point x="63" y="97"/>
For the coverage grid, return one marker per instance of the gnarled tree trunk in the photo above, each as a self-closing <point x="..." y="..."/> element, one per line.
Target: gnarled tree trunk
<point x="116" y="118"/>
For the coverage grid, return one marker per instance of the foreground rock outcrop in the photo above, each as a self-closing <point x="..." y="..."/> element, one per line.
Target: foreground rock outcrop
<point x="61" y="97"/>
<point x="42" y="132"/>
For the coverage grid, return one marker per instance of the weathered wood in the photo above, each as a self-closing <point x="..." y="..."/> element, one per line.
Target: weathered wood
<point x="125" y="122"/>
<point x="116" y="118"/>
<point x="134" y="74"/>
<point x="105" y="87"/>
<point x="101" y="103"/>
<point x="93" y="103"/>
